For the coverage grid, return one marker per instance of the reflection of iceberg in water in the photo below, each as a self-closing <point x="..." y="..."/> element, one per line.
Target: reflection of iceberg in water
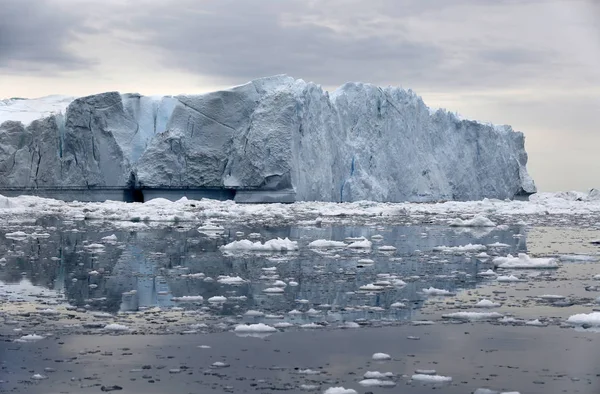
<point x="147" y="269"/>
<point x="146" y="288"/>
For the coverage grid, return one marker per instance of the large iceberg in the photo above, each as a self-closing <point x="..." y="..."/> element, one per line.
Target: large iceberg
<point x="272" y="139"/>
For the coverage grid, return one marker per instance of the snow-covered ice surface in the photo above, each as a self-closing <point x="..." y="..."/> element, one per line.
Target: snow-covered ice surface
<point x="120" y="270"/>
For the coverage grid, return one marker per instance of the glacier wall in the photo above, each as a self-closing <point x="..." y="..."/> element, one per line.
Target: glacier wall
<point x="274" y="136"/>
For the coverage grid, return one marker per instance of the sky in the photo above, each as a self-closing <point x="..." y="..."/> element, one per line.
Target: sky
<point x="533" y="64"/>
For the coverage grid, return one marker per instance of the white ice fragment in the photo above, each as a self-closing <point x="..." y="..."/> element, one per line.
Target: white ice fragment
<point x="523" y="261"/>
<point x="508" y="278"/>
<point x="376" y="383"/>
<point x="477" y="221"/>
<point x="230" y="280"/>
<point x="471" y="316"/>
<point x="431" y="378"/>
<point x="250" y="328"/>
<point x="362" y="244"/>
<point x="487" y="304"/>
<point x="460" y="249"/>
<point x="197" y="298"/>
<point x="381" y="357"/>
<point x="326" y="244"/>
<point x="273" y="245"/>
<point x="274" y="290"/>
<point x="432" y="291"/>
<point x="116" y="327"/>
<point x="217" y="299"/>
<point x="339" y="390"/>
<point x="592" y="319"/>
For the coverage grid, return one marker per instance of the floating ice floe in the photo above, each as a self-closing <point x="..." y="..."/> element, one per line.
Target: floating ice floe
<point x="376" y="383"/>
<point x="363" y="243"/>
<point x="326" y="244"/>
<point x="432" y="291"/>
<point x="487" y="304"/>
<point x="381" y="357"/>
<point x="188" y="299"/>
<point x="591" y="319"/>
<point x="29" y="338"/>
<point x="254" y="328"/>
<point x="377" y="375"/>
<point x="230" y="280"/>
<point x="477" y="221"/>
<point x="339" y="390"/>
<point x="431" y="378"/>
<point x="523" y="261"/>
<point x="273" y="245"/>
<point x="508" y="279"/>
<point x="473" y="316"/>
<point x="460" y="249"/>
<point x="116" y="327"/>
<point x="386" y="248"/>
<point x="110" y="238"/>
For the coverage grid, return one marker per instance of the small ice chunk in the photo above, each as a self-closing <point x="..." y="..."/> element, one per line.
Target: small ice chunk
<point x="376" y="383"/>
<point x="217" y="299"/>
<point x="339" y="390"/>
<point x="260" y="327"/>
<point x="508" y="278"/>
<point x="116" y="327"/>
<point x="381" y="357"/>
<point x="523" y="261"/>
<point x="477" y="221"/>
<point x="431" y="378"/>
<point x="377" y="375"/>
<point x="273" y="290"/>
<point x="473" y="316"/>
<point x="326" y="244"/>
<point x="273" y="245"/>
<point x="387" y="248"/>
<point x="432" y="291"/>
<point x="362" y="244"/>
<point x="188" y="299"/>
<point x="591" y="319"/>
<point x="230" y="280"/>
<point x="487" y="304"/>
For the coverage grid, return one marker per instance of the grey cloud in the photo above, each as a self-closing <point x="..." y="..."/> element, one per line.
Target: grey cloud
<point x="237" y="40"/>
<point x="34" y="35"/>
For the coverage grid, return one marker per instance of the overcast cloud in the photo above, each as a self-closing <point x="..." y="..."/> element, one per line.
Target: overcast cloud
<point x="530" y="63"/>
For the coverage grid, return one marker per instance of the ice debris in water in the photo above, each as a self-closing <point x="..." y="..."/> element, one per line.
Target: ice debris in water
<point x="487" y="304"/>
<point x="590" y="319"/>
<point x="376" y="383"/>
<point x="460" y="249"/>
<point x="377" y="375"/>
<point x="325" y="244"/>
<point x="30" y="338"/>
<point x="508" y="278"/>
<point x="273" y="245"/>
<point x="230" y="280"/>
<point x="477" y="221"/>
<point x="381" y="357"/>
<point x="431" y="378"/>
<point x="339" y="390"/>
<point x="260" y="327"/>
<point x="116" y="327"/>
<point x="473" y="315"/>
<point x="523" y="261"/>
<point x="363" y="243"/>
<point x="188" y="299"/>
<point x="432" y="291"/>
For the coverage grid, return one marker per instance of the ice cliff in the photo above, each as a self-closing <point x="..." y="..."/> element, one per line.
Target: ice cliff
<point x="271" y="135"/>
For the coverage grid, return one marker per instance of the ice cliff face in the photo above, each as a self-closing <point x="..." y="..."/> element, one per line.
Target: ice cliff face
<point x="270" y="135"/>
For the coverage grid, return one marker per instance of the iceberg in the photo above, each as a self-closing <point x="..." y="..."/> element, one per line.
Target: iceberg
<point x="274" y="139"/>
